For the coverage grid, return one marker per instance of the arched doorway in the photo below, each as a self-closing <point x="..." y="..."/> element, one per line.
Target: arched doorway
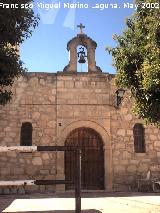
<point x="91" y="145"/>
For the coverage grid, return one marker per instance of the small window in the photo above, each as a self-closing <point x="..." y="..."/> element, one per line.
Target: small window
<point x="26" y="134"/>
<point x="138" y="133"/>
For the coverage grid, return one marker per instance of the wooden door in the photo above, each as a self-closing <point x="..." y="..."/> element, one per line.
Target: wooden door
<point x="92" y="172"/>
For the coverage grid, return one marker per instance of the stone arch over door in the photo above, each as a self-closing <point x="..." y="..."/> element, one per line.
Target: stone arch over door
<point x="63" y="134"/>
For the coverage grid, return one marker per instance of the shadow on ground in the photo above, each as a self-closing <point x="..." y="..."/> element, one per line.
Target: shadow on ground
<point x="61" y="211"/>
<point x="83" y="195"/>
<point x="91" y="195"/>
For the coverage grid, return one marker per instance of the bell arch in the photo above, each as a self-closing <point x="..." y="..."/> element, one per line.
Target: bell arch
<point x="62" y="135"/>
<point x="82" y="60"/>
<point x="83" y="40"/>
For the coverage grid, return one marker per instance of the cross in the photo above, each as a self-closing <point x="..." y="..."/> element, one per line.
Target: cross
<point x="81" y="27"/>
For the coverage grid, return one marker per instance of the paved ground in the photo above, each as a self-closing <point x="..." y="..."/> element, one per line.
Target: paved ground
<point x="91" y="203"/>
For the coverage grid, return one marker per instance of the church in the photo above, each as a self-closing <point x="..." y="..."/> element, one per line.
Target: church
<point x="81" y="109"/>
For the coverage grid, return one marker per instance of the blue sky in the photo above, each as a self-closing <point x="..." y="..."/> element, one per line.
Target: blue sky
<point x="46" y="50"/>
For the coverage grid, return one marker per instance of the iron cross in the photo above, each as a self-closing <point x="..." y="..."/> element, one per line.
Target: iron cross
<point x="81" y="26"/>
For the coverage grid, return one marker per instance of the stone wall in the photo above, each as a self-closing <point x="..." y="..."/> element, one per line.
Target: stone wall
<point x="34" y="101"/>
<point x="55" y="102"/>
<point x="83" y="97"/>
<point x="128" y="166"/>
<point x="27" y="166"/>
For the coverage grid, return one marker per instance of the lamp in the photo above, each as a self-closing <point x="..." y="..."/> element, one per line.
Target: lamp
<point x="119" y="97"/>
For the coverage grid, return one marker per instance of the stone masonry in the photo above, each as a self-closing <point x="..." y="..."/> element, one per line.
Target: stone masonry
<point x="52" y="103"/>
<point x="56" y="104"/>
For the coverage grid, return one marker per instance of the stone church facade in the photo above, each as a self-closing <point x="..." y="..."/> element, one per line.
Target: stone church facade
<point x="77" y="109"/>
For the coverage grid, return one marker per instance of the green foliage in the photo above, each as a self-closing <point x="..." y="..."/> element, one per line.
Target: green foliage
<point x="16" y="25"/>
<point x="137" y="60"/>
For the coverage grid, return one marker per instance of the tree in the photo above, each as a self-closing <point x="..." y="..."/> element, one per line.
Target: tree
<point x="137" y="60"/>
<point x="16" y="25"/>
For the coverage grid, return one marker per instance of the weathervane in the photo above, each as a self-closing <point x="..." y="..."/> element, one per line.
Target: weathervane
<point x="81" y="26"/>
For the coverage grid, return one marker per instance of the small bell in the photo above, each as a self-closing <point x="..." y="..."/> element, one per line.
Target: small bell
<point x="81" y="54"/>
<point x="82" y="59"/>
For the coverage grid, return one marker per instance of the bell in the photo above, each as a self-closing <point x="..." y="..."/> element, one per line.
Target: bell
<point x="82" y="59"/>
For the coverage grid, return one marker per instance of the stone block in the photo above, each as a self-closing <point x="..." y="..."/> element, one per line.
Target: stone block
<point x="124" y="162"/>
<point x="121" y="132"/>
<point x="114" y="125"/>
<point x="12" y="134"/>
<point x="8" y="140"/>
<point x="156" y="131"/>
<point x="33" y="82"/>
<point x="134" y="162"/>
<point x="142" y="155"/>
<point x="1" y="191"/>
<point x="37" y="154"/>
<point x="2" y="134"/>
<point x="21" y="191"/>
<point x="60" y="188"/>
<point x="12" y="154"/>
<point x="131" y="168"/>
<point x="124" y="110"/>
<point x="153" y="137"/>
<point x="143" y="167"/>
<point x="157" y="143"/>
<point x="48" y="131"/>
<point x="19" y="90"/>
<point x="121" y="188"/>
<point x="155" y="168"/>
<point x="7" y="129"/>
<point x="46" y="140"/>
<point x="30" y="170"/>
<point x="42" y="82"/>
<point x="69" y="84"/>
<point x="128" y="117"/>
<point x="44" y="117"/>
<point x="49" y="177"/>
<point x="51" y="124"/>
<point x="120" y="146"/>
<point x="5" y="171"/>
<point x="79" y="84"/>
<point x="126" y="155"/>
<point x="45" y="156"/>
<point x="116" y="153"/>
<point x="119" y="169"/>
<point x="37" y="161"/>
<point x="146" y="160"/>
<point x="50" y="188"/>
<point x="151" y="147"/>
<point x="52" y="99"/>
<point x="42" y="189"/>
<point x="6" y="191"/>
<point x="129" y="132"/>
<point x="36" y="115"/>
<point x="44" y="171"/>
<point x="101" y="85"/>
<point x="31" y="189"/>
<point x="53" y="91"/>
<point x="115" y="161"/>
<point x="18" y="171"/>
<point x="13" y="190"/>
<point x="53" y="171"/>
